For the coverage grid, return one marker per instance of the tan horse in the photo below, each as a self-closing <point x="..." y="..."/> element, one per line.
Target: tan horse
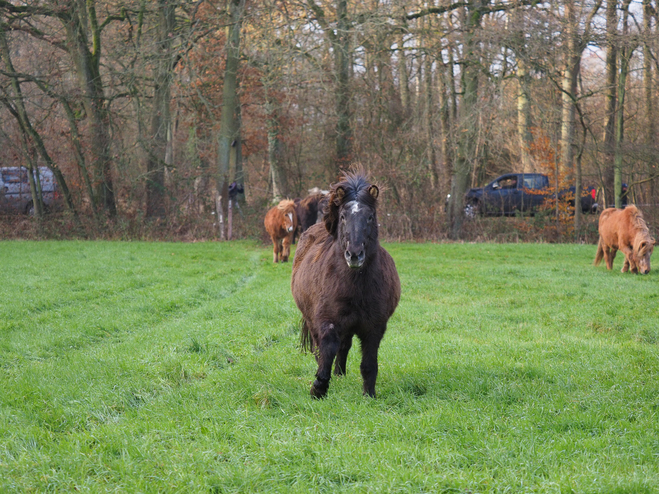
<point x="625" y="230"/>
<point x="280" y="223"/>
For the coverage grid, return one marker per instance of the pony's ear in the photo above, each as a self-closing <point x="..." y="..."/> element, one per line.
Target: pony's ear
<point x="374" y="191"/>
<point x="339" y="194"/>
<point x="331" y="216"/>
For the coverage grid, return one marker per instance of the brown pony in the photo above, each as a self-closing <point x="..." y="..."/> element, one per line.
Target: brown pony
<point x="307" y="210"/>
<point x="345" y="283"/>
<point x="626" y="230"/>
<point x="280" y="223"/>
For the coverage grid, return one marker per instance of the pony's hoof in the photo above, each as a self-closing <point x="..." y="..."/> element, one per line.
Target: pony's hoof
<point x="317" y="394"/>
<point x="319" y="390"/>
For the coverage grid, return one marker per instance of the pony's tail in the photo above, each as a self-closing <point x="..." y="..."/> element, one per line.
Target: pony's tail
<point x="306" y="340"/>
<point x="600" y="252"/>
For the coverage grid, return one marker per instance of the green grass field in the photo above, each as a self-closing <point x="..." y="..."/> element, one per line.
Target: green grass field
<point x="156" y="367"/>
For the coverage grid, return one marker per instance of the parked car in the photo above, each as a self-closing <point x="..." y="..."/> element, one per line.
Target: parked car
<point x="520" y="192"/>
<point x="15" y="194"/>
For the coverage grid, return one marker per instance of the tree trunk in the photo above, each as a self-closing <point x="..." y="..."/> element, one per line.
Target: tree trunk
<point x="445" y="130"/>
<point x="81" y="20"/>
<point x="568" y="93"/>
<point x="33" y="179"/>
<point x="160" y="112"/>
<point x="625" y="57"/>
<point x="229" y="139"/>
<point x="578" y="180"/>
<point x="37" y="198"/>
<point x="648" y="75"/>
<point x="610" y="98"/>
<point x="620" y="127"/>
<point x="403" y="80"/>
<point x="648" y="81"/>
<point x="431" y="154"/>
<point x="524" y="136"/>
<point x="274" y="145"/>
<point x="341" y="48"/>
<point x="468" y="121"/>
<point x="524" y="116"/>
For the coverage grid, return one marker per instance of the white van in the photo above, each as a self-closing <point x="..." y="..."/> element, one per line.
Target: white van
<point x="15" y="195"/>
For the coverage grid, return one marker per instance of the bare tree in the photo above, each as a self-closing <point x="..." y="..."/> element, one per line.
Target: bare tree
<point x="31" y="138"/>
<point x="626" y="51"/>
<point x="160" y="131"/>
<point x="229" y="145"/>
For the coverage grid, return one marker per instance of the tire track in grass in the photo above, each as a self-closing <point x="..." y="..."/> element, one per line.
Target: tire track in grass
<point x="146" y="314"/>
<point x="98" y="383"/>
<point x="180" y="373"/>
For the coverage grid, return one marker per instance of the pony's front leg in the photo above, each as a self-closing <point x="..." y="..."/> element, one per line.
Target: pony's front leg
<point x="633" y="267"/>
<point x="629" y="259"/>
<point x="342" y="355"/>
<point x="630" y="265"/>
<point x="328" y="345"/>
<point x="275" y="250"/>
<point x="369" y="365"/>
<point x="287" y="248"/>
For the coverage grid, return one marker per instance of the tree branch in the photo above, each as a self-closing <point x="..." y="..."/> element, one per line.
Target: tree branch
<point x="322" y="20"/>
<point x="466" y="3"/>
<point x="38" y="34"/>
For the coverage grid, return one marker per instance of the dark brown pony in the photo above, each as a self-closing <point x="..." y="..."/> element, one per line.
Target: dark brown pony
<point x="280" y="223"/>
<point x="307" y="211"/>
<point x="322" y="204"/>
<point x="625" y="230"/>
<point x="345" y="283"/>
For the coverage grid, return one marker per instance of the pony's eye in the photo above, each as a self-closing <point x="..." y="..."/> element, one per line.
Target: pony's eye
<point x="370" y="218"/>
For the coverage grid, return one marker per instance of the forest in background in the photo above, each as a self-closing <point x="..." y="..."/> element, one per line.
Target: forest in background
<point x="147" y="110"/>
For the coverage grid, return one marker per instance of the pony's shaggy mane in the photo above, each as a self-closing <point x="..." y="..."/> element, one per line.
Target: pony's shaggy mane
<point x="638" y="219"/>
<point x="643" y="237"/>
<point x="286" y="205"/>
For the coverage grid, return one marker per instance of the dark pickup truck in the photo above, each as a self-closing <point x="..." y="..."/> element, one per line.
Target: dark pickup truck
<point x="519" y="192"/>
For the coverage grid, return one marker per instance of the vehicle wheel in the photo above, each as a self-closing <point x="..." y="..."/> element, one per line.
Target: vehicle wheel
<point x="471" y="210"/>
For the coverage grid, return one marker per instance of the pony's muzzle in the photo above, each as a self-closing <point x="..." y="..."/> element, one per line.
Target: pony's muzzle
<point x="355" y="259"/>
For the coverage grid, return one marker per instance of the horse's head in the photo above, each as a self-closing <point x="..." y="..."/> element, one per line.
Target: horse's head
<point x="351" y="218"/>
<point x="287" y="208"/>
<point x="288" y="222"/>
<point x="643" y="248"/>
